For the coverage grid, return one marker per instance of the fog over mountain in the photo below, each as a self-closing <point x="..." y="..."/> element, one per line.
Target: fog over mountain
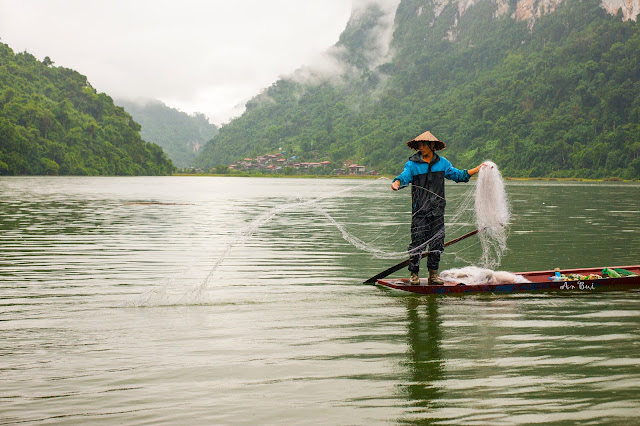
<point x="180" y="135"/>
<point x="548" y="88"/>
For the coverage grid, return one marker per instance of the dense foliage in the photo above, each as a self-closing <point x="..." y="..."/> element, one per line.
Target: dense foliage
<point x="561" y="99"/>
<point x="180" y="135"/>
<point x="53" y="122"/>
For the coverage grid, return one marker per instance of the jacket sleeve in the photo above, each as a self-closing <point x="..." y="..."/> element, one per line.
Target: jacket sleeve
<point x="456" y="175"/>
<point x="406" y="177"/>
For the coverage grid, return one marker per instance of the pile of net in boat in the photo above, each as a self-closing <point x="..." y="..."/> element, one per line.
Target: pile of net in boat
<point x="474" y="275"/>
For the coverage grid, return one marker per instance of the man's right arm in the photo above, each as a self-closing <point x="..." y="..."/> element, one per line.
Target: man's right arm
<point x="403" y="179"/>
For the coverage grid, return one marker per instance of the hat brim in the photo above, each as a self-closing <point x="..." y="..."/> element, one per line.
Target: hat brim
<point x="439" y="145"/>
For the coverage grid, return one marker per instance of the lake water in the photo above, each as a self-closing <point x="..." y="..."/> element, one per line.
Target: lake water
<point x="203" y="300"/>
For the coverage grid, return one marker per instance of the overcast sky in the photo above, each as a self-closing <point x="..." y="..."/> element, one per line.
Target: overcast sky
<point x="208" y="56"/>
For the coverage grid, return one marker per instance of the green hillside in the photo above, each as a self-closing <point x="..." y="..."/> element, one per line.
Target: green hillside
<point x="180" y="135"/>
<point x="561" y="99"/>
<point x="53" y="122"/>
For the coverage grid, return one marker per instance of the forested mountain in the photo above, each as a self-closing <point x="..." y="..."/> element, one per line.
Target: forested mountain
<point x="53" y="122"/>
<point x="181" y="135"/>
<point x="552" y="90"/>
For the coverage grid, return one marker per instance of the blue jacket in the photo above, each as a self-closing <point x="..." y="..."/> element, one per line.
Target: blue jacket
<point x="427" y="183"/>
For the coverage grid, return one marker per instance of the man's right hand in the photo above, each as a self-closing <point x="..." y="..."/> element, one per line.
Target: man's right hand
<point x="395" y="185"/>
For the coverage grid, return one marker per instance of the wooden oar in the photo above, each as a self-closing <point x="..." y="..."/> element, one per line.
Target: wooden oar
<point x="403" y="264"/>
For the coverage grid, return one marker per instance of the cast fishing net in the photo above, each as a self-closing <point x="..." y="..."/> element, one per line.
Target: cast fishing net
<point x="380" y="228"/>
<point x="485" y="207"/>
<point x="482" y="205"/>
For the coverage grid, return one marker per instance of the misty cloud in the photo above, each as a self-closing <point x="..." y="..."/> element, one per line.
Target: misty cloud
<point x="382" y="34"/>
<point x="332" y="64"/>
<point x="209" y="56"/>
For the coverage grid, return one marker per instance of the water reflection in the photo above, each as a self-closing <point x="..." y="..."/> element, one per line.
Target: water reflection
<point x="425" y="364"/>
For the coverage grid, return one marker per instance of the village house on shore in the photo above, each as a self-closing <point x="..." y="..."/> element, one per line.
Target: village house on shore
<point x="278" y="162"/>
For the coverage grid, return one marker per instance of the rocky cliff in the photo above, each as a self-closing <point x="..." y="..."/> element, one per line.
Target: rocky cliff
<point x="630" y="8"/>
<point x="531" y="10"/>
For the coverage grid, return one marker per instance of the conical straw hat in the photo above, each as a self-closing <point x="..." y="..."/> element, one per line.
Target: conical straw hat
<point x="426" y="137"/>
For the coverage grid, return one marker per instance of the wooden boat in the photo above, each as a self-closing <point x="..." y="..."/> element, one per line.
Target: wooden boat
<point x="539" y="281"/>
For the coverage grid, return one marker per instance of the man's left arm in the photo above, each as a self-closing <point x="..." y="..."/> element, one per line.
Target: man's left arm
<point x="457" y="175"/>
<point x="475" y="169"/>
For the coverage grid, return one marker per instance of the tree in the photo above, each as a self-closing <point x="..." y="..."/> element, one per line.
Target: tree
<point x="53" y="122"/>
<point x="222" y="169"/>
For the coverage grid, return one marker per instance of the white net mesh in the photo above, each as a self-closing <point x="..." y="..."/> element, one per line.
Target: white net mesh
<point x="474" y="275"/>
<point x="490" y="214"/>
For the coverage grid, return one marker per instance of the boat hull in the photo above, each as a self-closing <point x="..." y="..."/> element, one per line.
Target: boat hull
<point x="539" y="282"/>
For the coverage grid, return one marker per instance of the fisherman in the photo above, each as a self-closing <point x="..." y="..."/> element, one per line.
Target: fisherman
<point x="426" y="171"/>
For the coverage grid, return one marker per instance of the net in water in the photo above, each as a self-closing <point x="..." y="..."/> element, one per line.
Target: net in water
<point x="491" y="214"/>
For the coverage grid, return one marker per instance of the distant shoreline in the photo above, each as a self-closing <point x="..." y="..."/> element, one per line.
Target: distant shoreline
<point x="264" y="175"/>
<point x="353" y="177"/>
<point x="261" y="175"/>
